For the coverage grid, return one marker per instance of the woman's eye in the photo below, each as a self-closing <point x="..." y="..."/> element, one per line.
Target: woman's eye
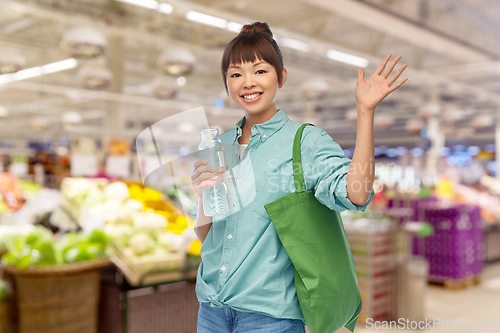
<point x="235" y="74"/>
<point x="261" y="70"/>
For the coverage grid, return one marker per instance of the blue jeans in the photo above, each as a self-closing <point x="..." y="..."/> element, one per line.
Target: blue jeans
<point x="225" y="319"/>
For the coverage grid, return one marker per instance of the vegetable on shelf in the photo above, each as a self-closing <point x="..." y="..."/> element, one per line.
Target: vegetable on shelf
<point x="11" y="193"/>
<point x="148" y="233"/>
<point x="35" y="249"/>
<point x="141" y="244"/>
<point x="39" y="248"/>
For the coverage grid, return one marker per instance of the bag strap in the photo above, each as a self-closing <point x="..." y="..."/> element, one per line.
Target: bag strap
<point x="298" y="174"/>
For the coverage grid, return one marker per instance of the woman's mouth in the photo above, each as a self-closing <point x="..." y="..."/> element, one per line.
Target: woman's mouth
<point x="250" y="98"/>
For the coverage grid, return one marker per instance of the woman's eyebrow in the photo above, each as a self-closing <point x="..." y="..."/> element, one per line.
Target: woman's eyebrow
<point x="259" y="63"/>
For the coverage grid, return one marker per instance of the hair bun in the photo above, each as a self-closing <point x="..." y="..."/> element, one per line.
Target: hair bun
<point x="262" y="27"/>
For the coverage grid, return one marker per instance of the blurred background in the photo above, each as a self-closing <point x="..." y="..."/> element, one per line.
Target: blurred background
<point x="87" y="247"/>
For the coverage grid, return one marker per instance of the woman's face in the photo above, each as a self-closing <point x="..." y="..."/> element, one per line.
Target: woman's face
<point x="253" y="85"/>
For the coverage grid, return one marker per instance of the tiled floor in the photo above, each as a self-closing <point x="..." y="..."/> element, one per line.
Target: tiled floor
<point x="477" y="305"/>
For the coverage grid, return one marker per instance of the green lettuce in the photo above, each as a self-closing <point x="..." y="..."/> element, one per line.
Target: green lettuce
<point x="39" y="248"/>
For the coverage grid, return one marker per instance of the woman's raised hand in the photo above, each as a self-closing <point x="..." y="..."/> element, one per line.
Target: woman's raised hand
<point x="205" y="176"/>
<point x="371" y="92"/>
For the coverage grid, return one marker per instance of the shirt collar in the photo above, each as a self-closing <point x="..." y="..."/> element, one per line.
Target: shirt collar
<point x="265" y="130"/>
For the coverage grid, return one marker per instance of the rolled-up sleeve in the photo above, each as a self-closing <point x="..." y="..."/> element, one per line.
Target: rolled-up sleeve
<point x="326" y="168"/>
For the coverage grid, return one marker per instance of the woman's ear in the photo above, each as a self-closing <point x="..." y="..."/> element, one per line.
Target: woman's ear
<point x="283" y="78"/>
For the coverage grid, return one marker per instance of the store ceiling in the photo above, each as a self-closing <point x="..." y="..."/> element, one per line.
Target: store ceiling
<point x="451" y="46"/>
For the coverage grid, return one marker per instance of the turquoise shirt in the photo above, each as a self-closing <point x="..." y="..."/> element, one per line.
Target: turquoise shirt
<point x="244" y="265"/>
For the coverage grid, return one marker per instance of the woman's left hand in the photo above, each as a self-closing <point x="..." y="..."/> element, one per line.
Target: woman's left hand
<point x="371" y="92"/>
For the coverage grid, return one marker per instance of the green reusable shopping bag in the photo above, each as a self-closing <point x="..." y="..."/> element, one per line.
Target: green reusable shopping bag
<point x="314" y="238"/>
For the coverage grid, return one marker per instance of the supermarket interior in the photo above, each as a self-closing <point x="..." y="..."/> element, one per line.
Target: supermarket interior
<point x="102" y="104"/>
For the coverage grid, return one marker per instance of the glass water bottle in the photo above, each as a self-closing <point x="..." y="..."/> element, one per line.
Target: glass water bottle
<point x="215" y="198"/>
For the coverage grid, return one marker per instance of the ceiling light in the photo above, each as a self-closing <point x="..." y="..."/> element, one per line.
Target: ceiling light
<point x="165" y="8"/>
<point x="95" y="77"/>
<point x="347" y="58"/>
<point x="414" y="125"/>
<point x="39" y="124"/>
<point x="181" y="80"/>
<point x="70" y="118"/>
<point x="452" y="115"/>
<point x="142" y="3"/>
<point x="383" y="120"/>
<point x="315" y="88"/>
<point x="6" y="78"/>
<point x="59" y="66"/>
<point x="84" y="42"/>
<point x="482" y="121"/>
<point x="37" y="71"/>
<point x="295" y="44"/>
<point x="429" y="110"/>
<point x="163" y="87"/>
<point x="206" y="19"/>
<point x="28" y="73"/>
<point x="233" y="26"/>
<point x="176" y="61"/>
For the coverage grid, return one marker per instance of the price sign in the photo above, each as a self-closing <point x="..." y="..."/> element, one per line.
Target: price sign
<point x="118" y="166"/>
<point x="83" y="165"/>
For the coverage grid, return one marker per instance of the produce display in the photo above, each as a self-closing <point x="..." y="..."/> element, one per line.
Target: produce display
<point x="40" y="248"/>
<point x="369" y="221"/>
<point x="149" y="233"/>
<point x="14" y="192"/>
<point x="11" y="193"/>
<point x="8" y="233"/>
<point x="485" y="194"/>
<point x="489" y="202"/>
<point x="29" y="187"/>
<point x="126" y="211"/>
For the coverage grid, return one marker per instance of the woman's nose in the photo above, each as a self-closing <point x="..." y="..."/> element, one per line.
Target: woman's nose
<point x="249" y="82"/>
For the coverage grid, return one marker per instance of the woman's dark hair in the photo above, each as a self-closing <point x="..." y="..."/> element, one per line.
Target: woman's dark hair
<point x="254" y="42"/>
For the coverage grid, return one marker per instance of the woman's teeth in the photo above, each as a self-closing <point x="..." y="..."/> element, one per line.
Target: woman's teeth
<point x="251" y="96"/>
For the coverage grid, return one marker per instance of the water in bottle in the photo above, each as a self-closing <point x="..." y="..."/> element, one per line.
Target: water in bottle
<point x="215" y="198"/>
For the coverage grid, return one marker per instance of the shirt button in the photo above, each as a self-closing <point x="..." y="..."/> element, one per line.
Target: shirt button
<point x="223" y="268"/>
<point x="264" y="136"/>
<point x="229" y="236"/>
<point x="230" y="176"/>
<point x="234" y="204"/>
<point x="241" y="177"/>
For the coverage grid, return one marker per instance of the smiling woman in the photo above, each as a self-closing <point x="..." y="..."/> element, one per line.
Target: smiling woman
<point x="245" y="281"/>
<point x="252" y="70"/>
<point x="254" y="42"/>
